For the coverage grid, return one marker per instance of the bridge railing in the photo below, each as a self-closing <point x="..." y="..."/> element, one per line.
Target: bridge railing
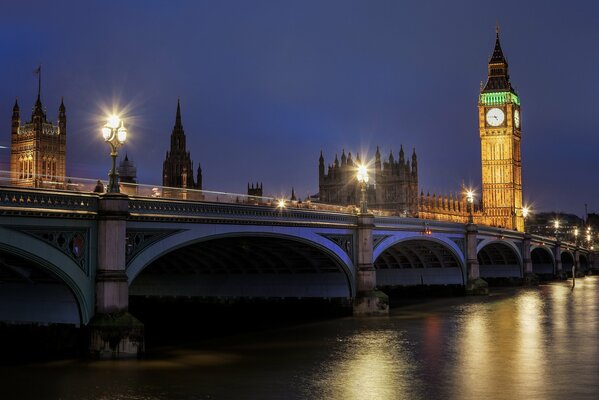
<point x="86" y="185"/>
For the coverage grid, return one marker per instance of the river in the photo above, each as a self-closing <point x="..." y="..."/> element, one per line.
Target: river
<point x="517" y="343"/>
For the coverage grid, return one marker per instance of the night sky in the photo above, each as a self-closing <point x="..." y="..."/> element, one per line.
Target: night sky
<point x="265" y="85"/>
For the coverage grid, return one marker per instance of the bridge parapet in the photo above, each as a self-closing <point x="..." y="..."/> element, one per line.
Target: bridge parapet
<point x="197" y="211"/>
<point x="47" y="202"/>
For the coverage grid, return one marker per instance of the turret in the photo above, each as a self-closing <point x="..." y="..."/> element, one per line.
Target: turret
<point x="377" y="161"/>
<point x="401" y="155"/>
<point x="62" y="118"/>
<point x="414" y="163"/>
<point x="199" y="180"/>
<point x="343" y="158"/>
<point x="16" y="119"/>
<point x="320" y="167"/>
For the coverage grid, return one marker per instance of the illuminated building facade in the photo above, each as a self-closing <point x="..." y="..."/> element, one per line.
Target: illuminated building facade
<point x="394" y="187"/>
<point x="500" y="135"/>
<point x="38" y="147"/>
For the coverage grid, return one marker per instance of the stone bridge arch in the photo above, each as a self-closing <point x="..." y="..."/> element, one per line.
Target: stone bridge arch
<point x="584" y="263"/>
<point x="45" y="287"/>
<point x="499" y="259"/>
<point x="543" y="261"/>
<point x="230" y="261"/>
<point x="567" y="258"/>
<point x="418" y="260"/>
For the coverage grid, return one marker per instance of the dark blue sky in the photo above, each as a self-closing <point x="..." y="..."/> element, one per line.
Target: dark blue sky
<point x="265" y="85"/>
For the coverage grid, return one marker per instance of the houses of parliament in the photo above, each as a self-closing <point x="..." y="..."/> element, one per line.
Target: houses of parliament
<point x="38" y="158"/>
<point x="395" y="186"/>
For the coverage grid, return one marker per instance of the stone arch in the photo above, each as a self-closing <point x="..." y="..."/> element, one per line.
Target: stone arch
<point x="583" y="263"/>
<point x="543" y="261"/>
<point x="499" y="259"/>
<point x="418" y="261"/>
<point x="39" y="289"/>
<point x="567" y="258"/>
<point x="244" y="264"/>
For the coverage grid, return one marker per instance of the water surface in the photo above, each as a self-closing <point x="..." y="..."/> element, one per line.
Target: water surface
<point x="528" y="343"/>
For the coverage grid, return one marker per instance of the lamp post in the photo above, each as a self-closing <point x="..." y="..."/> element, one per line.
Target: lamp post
<point x="470" y="202"/>
<point x="114" y="134"/>
<point x="589" y="237"/>
<point x="525" y="212"/>
<point x="362" y="177"/>
<point x="576" y="233"/>
<point x="556" y="226"/>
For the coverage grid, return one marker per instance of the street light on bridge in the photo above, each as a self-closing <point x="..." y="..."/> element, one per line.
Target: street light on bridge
<point x="470" y="203"/>
<point x="525" y="213"/>
<point x="115" y="135"/>
<point x="556" y="226"/>
<point x="362" y="176"/>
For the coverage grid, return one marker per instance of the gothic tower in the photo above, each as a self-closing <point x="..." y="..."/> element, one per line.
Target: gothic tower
<point x="38" y="148"/>
<point x="177" y="170"/>
<point x="500" y="135"/>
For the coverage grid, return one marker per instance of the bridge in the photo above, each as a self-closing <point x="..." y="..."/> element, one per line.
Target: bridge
<point x="75" y="257"/>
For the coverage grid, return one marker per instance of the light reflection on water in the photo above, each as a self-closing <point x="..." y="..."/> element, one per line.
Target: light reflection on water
<point x="537" y="343"/>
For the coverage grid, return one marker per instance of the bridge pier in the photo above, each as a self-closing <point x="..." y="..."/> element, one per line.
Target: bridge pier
<point x="530" y="278"/>
<point x="114" y="333"/>
<point x="475" y="285"/>
<point x="559" y="272"/>
<point x="369" y="300"/>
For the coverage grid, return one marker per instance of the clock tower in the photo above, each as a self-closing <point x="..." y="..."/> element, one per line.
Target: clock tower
<point x="500" y="135"/>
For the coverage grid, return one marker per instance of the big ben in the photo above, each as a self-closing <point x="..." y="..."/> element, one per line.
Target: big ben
<point x="500" y="136"/>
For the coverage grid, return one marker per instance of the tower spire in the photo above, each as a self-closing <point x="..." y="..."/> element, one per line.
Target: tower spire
<point x="178" y="117"/>
<point x="38" y="71"/>
<point x="498" y="77"/>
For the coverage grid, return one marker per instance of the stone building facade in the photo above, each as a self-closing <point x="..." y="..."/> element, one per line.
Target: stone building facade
<point x="393" y="186"/>
<point x="38" y="147"/>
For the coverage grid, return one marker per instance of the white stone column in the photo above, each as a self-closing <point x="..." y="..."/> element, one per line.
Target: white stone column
<point x="369" y="300"/>
<point x="557" y="254"/>
<point x="114" y="333"/>
<point x="474" y="285"/>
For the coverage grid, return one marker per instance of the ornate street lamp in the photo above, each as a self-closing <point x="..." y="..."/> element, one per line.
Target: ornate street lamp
<point x="362" y="177"/>
<point x="576" y="233"/>
<point x="115" y="135"/>
<point x="525" y="212"/>
<point x="470" y="203"/>
<point x="556" y="226"/>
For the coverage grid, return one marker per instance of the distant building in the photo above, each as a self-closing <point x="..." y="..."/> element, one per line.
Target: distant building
<point x="38" y="147"/>
<point x="255" y="191"/>
<point x="128" y="176"/>
<point x="127" y="171"/>
<point x="177" y="170"/>
<point x="393" y="186"/>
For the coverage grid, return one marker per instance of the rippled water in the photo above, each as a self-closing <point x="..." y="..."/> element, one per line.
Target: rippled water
<point x="538" y="343"/>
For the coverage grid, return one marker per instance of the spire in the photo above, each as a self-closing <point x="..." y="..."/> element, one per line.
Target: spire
<point x="61" y="108"/>
<point x="401" y="153"/>
<point x="16" y="106"/>
<point x="321" y="158"/>
<point x="497" y="56"/>
<point x="178" y="117"/>
<point x="378" y="153"/>
<point x="38" y="71"/>
<point x="293" y="198"/>
<point x="498" y="77"/>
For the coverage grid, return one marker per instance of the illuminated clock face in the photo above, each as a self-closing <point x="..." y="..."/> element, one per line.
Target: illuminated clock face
<point x="517" y="118"/>
<point x="495" y="117"/>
